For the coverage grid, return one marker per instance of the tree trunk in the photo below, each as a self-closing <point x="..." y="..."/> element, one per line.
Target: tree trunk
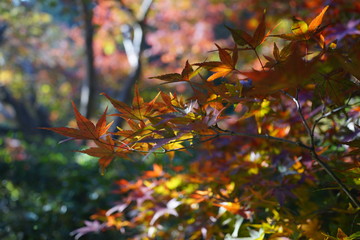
<point x="134" y="40"/>
<point x="89" y="85"/>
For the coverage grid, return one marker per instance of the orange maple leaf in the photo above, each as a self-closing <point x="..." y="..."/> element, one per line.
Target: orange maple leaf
<point x="242" y="38"/>
<point x="223" y="67"/>
<point x="157" y="172"/>
<point x="139" y="109"/>
<point x="86" y="128"/>
<point x="106" y="151"/>
<point x="185" y="75"/>
<point x="302" y="31"/>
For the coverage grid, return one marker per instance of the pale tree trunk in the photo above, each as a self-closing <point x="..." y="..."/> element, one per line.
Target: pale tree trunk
<point x="134" y="40"/>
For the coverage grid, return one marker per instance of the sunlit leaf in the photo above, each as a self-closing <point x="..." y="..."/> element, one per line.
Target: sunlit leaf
<point x="241" y="37"/>
<point x="87" y="129"/>
<point x="226" y="65"/>
<point x="302" y="31"/>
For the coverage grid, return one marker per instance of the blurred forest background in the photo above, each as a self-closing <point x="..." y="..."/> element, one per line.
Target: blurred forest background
<point x="53" y="52"/>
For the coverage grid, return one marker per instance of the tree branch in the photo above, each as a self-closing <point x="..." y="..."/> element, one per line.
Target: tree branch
<point x="328" y="170"/>
<point x="312" y="150"/>
<point x="134" y="38"/>
<point x="262" y="136"/>
<point x="27" y="121"/>
<point x="325" y="115"/>
<point x="144" y="9"/>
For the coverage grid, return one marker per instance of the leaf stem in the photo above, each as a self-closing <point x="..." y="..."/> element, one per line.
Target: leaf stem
<point x="258" y="57"/>
<point x="324" y="115"/>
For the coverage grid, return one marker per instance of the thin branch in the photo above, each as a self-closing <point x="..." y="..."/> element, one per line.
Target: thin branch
<point x="299" y="109"/>
<point x="262" y="136"/>
<point x="325" y="115"/>
<point x="174" y="149"/>
<point x="316" y="156"/>
<point x="219" y="132"/>
<point x="258" y="57"/>
<point x="335" y="178"/>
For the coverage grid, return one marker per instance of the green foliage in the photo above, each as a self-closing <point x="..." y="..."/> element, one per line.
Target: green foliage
<point x="45" y="193"/>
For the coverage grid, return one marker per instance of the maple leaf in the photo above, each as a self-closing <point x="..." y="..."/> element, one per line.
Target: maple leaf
<point x="242" y="38"/>
<point x="168" y="210"/>
<point x="279" y="56"/>
<point x="225" y="66"/>
<point x="302" y="31"/>
<point x="340" y="31"/>
<point x="350" y="63"/>
<point x="105" y="155"/>
<point x="341" y="235"/>
<point x="94" y="226"/>
<point x="125" y="110"/>
<point x="334" y="86"/>
<point x="106" y="152"/>
<point x="356" y="145"/>
<point x="235" y="208"/>
<point x="157" y="172"/>
<point x="126" y="186"/>
<point x="167" y="140"/>
<point x="186" y="74"/>
<point x="311" y="229"/>
<point x="142" y="195"/>
<point x="294" y="72"/>
<point x="139" y="109"/>
<point x="117" y="208"/>
<point x="87" y="129"/>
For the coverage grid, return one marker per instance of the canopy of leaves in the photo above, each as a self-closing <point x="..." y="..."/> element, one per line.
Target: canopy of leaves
<point x="258" y="137"/>
<point x="274" y="149"/>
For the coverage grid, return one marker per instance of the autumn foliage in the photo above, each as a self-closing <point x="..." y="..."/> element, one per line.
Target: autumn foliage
<point x="273" y="149"/>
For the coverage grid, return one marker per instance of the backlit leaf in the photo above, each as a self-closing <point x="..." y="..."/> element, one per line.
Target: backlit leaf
<point x="226" y="65"/>
<point x="341" y="235"/>
<point x="185" y="75"/>
<point x="299" y="28"/>
<point x="259" y="34"/>
<point x="241" y="37"/>
<point x="302" y="31"/>
<point x="87" y="129"/>
<point x="315" y="23"/>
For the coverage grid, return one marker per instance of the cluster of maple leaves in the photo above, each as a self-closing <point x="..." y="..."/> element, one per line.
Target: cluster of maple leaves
<point x="260" y="144"/>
